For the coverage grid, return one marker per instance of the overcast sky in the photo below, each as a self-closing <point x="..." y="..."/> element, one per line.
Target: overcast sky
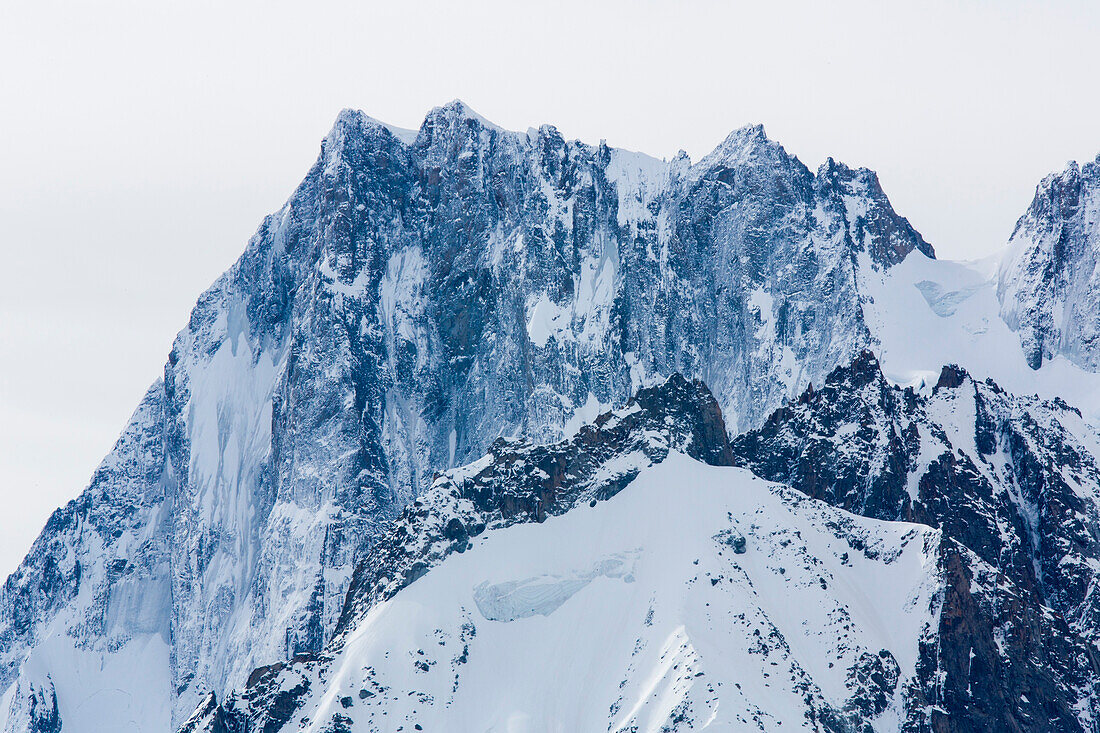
<point x="142" y="142"/>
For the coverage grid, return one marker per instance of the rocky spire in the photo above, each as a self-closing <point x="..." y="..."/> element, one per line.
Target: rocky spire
<point x="1049" y="280"/>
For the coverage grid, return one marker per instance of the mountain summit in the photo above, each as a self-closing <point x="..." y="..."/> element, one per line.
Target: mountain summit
<point x="1050" y="278"/>
<point x="420" y="298"/>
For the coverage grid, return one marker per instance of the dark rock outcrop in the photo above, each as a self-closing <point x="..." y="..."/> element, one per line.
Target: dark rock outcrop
<point x="1013" y="485"/>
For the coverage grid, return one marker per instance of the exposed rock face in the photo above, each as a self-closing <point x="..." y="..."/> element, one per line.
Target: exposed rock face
<point x="1001" y="659"/>
<point x="43" y="716"/>
<point x="1049" y="282"/>
<point x="96" y="579"/>
<point x="1014" y="483"/>
<point x="420" y="295"/>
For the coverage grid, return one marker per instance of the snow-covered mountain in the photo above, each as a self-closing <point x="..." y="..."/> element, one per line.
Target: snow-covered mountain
<point x="1050" y="277"/>
<point x="418" y="296"/>
<point x="665" y="579"/>
<point x="650" y="591"/>
<point x="926" y="313"/>
<point x="1015" y="480"/>
<point x="424" y="295"/>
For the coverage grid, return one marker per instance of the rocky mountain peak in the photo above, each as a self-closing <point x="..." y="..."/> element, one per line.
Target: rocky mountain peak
<point x="419" y="295"/>
<point x="1049" y="279"/>
<point x="1057" y="196"/>
<point x="997" y="474"/>
<point x="458" y="110"/>
<point x="452" y="123"/>
<point x="353" y="130"/>
<point x="873" y="225"/>
<point x="951" y="376"/>
<point x="745" y="149"/>
<point x="864" y="369"/>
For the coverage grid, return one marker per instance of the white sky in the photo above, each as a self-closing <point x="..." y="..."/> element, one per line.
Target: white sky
<point x="142" y="142"/>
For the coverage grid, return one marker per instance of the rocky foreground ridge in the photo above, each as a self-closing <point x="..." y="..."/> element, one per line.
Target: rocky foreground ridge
<point x="1006" y="639"/>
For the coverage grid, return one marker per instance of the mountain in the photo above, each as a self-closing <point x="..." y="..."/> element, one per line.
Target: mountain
<point x="651" y="591"/>
<point x="517" y="481"/>
<point x="669" y="581"/>
<point x="1050" y="277"/>
<point x="400" y="376"/>
<point x="777" y="635"/>
<point x="1013" y="480"/>
<point x="924" y="313"/>
<point x="419" y="295"/>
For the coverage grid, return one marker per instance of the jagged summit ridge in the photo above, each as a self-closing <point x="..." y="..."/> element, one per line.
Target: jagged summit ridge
<point x="412" y="302"/>
<point x="747" y="144"/>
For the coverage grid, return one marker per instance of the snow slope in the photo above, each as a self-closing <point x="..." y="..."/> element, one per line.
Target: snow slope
<point x="640" y="614"/>
<point x="926" y="313"/>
